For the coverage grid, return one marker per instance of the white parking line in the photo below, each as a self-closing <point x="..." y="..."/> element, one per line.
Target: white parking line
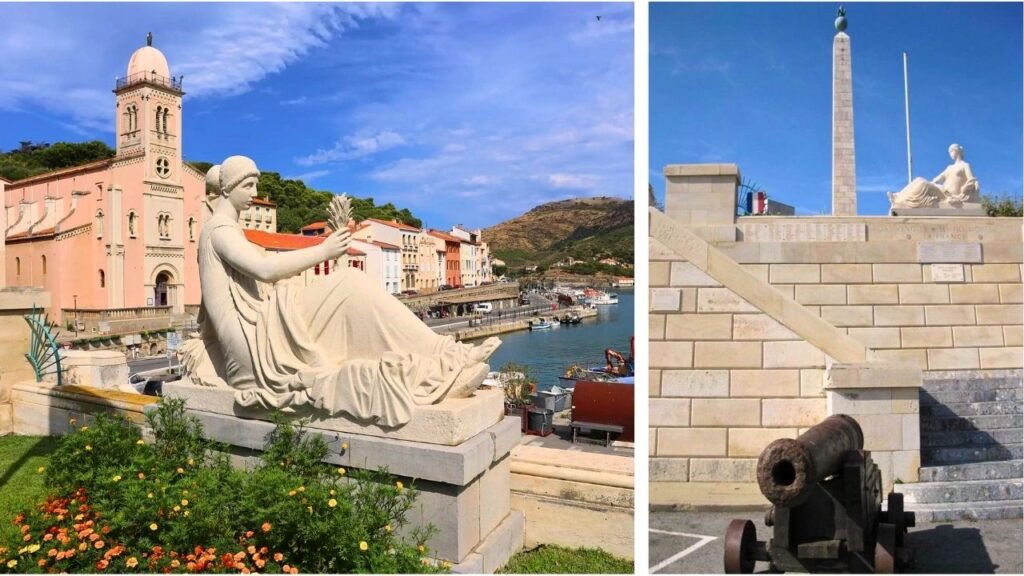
<point x="675" y="557"/>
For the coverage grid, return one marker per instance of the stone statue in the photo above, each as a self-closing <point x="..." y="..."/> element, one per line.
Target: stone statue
<point x="339" y="345"/>
<point x="953" y="188"/>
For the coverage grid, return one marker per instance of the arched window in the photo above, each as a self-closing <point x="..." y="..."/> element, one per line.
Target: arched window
<point x="159" y="113"/>
<point x="165" y="120"/>
<point x="17" y="265"/>
<point x="103" y="279"/>
<point x="131" y="224"/>
<point x="43" y="257"/>
<point x="99" y="223"/>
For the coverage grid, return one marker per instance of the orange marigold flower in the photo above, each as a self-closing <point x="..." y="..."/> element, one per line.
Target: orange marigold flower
<point x="105" y="530"/>
<point x="260" y="563"/>
<point x="286" y="568"/>
<point x="51" y="552"/>
<point x="102" y="565"/>
<point x="132" y="562"/>
<point x="27" y="537"/>
<point x="82" y="547"/>
<point x="249" y="534"/>
<point x="264" y="550"/>
<point x="70" y="553"/>
<point x="42" y="561"/>
<point x="266" y="527"/>
<point x="294" y="570"/>
<point x="93" y="536"/>
<point x="99" y="544"/>
<point x="238" y="556"/>
<point x="191" y="566"/>
<point x="278" y="556"/>
<point x="175" y="563"/>
<point x="251" y="549"/>
<point x="245" y="570"/>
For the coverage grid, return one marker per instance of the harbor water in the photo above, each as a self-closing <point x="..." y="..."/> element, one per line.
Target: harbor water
<point x="549" y="352"/>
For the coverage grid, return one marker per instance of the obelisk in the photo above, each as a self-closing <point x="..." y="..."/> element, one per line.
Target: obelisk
<point x="844" y="164"/>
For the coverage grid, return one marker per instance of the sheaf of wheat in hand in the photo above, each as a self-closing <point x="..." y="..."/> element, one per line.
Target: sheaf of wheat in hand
<point x="339" y="212"/>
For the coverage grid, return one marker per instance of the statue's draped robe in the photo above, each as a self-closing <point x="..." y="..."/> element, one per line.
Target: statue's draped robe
<point x="340" y="344"/>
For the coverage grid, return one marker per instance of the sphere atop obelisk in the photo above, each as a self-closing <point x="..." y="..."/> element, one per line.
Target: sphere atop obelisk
<point x="841" y="20"/>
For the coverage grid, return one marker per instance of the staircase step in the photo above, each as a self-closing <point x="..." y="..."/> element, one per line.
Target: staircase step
<point x="970" y="409"/>
<point x="988" y="381"/>
<point x="961" y="491"/>
<point x="951" y="512"/>
<point x="939" y="456"/>
<point x="972" y="438"/>
<point x="972" y="395"/>
<point x="972" y="423"/>
<point x="1007" y="469"/>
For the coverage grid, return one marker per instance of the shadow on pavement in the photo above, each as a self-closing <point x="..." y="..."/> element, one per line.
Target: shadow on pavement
<point x="947" y="549"/>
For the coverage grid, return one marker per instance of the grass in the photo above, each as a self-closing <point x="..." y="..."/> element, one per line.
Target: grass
<point x="559" y="560"/>
<point x="21" y="484"/>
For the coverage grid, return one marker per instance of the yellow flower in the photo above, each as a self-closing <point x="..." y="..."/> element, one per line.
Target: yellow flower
<point x="142" y="476"/>
<point x="332" y="502"/>
<point x="72" y="421"/>
<point x="12" y="563"/>
<point x="88" y="447"/>
<point x="150" y="495"/>
<point x="184" y="502"/>
<point x="364" y="546"/>
<point x="181" y="470"/>
<point x="309" y="509"/>
<point x="33" y="548"/>
<point x="41" y="470"/>
<point x="84" y="428"/>
<point x="117" y="478"/>
<point x="446" y="565"/>
<point x="332" y="492"/>
<point x="400" y="486"/>
<point x="140" y="442"/>
<point x="387" y="527"/>
<point x="422" y="548"/>
<point x="186" y="513"/>
<point x="177" y="508"/>
<point x="302" y="488"/>
<point x="292" y="493"/>
<point x="344" y="446"/>
<point x="132" y="562"/>
<point x="341" y="471"/>
<point x="191" y="462"/>
<point x="153" y="526"/>
<point x="184" y="492"/>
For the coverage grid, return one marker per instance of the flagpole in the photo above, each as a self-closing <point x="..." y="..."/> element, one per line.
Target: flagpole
<point x="906" y="106"/>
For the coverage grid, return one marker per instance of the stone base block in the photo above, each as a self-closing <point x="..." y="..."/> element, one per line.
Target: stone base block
<point x="96" y="368"/>
<point x="449" y="423"/>
<point x="463" y="490"/>
<point x="573" y="524"/>
<point x="43" y="410"/>
<point x="495" y="550"/>
<point x="6" y="419"/>
<point x="968" y="209"/>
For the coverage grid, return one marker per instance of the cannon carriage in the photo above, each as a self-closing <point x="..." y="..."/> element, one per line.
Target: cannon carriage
<point x="826" y="513"/>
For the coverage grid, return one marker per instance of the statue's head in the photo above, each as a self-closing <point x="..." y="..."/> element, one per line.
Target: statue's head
<point x="956" y="151"/>
<point x="238" y="179"/>
<point x="213" y="181"/>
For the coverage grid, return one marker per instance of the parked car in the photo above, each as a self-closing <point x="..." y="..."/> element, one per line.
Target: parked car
<point x="483" y="307"/>
<point x="445" y="287"/>
<point x="409" y="292"/>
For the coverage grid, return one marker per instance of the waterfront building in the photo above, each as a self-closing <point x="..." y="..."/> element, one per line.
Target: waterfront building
<point x="469" y="255"/>
<point x="120" y="232"/>
<point x="274" y="242"/>
<point x="452" y="262"/>
<point x="430" y="258"/>
<point x="394" y="233"/>
<point x="262" y="215"/>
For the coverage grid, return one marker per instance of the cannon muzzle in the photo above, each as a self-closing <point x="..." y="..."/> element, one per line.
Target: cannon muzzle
<point x="788" y="469"/>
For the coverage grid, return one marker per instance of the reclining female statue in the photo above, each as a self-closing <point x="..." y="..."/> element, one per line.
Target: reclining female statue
<point x="339" y="345"/>
<point x="953" y="187"/>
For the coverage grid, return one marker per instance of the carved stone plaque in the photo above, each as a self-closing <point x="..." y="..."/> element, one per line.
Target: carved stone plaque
<point x="947" y="273"/>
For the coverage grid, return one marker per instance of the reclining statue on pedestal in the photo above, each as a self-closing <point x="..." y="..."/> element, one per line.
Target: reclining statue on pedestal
<point x="339" y="345"/>
<point x="953" y="188"/>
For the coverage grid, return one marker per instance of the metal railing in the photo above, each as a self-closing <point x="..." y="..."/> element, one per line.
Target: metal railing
<point x="149" y="78"/>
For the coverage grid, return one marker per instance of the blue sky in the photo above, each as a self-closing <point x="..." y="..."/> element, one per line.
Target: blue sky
<point x="464" y="113"/>
<point x="751" y="84"/>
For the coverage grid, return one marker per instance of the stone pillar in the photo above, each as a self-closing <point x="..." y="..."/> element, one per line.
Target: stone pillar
<point x="844" y="164"/>
<point x="115" y="249"/>
<point x="703" y="196"/>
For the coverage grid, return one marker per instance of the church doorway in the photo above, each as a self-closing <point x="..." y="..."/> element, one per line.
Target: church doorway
<point x="160" y="297"/>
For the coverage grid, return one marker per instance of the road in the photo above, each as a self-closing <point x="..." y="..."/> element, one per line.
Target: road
<point x="693" y="543"/>
<point x="150" y="363"/>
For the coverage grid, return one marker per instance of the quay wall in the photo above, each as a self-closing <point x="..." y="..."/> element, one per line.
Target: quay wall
<point x="749" y="315"/>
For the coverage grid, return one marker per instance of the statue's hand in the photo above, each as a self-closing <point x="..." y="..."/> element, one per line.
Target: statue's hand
<point x="337" y="243"/>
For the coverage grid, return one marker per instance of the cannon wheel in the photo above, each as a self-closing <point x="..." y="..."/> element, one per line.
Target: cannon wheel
<point x="885" y="549"/>
<point x="896" y="517"/>
<point x="740" y="540"/>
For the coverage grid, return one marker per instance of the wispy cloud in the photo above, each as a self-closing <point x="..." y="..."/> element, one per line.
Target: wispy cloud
<point x="572" y="181"/>
<point x="295" y="101"/>
<point x="309" y="176"/>
<point x="352" y="147"/>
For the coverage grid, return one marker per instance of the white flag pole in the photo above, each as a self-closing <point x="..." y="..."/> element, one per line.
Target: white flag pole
<point x="906" y="106"/>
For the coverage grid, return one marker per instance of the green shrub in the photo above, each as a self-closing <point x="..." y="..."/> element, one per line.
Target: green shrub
<point x="178" y="495"/>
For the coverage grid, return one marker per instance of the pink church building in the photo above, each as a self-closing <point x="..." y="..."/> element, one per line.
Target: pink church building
<point x="117" y="233"/>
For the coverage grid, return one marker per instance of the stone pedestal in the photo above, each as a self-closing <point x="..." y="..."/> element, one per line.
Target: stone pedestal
<point x="883" y="398"/>
<point x="456" y="453"/>
<point x="106" y="369"/>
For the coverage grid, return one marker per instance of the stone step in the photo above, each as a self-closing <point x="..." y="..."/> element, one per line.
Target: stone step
<point x="972" y="423"/>
<point x="1007" y="469"/>
<point x="961" y="491"/>
<point x="970" y="409"/>
<point x="970" y="396"/>
<point x="971" y="438"/>
<point x="1010" y="379"/>
<point x="951" y="512"/>
<point x="945" y="455"/>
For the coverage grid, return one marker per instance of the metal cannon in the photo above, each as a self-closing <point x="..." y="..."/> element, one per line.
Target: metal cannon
<point x="826" y="513"/>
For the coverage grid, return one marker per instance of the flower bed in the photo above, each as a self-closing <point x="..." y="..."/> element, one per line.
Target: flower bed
<point x="118" y="503"/>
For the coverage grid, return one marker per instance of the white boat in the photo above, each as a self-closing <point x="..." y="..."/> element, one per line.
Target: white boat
<point x="605" y="299"/>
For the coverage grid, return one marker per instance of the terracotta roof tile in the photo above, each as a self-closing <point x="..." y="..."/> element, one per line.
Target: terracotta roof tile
<point x="264" y="202"/>
<point x="385" y="245"/>
<point x="275" y="241"/>
<point x="398" y="225"/>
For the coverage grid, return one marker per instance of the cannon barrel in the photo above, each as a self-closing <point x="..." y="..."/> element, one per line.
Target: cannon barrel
<point x="788" y="469"/>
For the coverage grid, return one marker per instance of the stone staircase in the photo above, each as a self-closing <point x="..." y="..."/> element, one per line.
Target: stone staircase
<point x="971" y="447"/>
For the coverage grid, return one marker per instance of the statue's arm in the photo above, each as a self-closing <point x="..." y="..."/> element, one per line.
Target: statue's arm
<point x="241" y="255"/>
<point x="968" y="172"/>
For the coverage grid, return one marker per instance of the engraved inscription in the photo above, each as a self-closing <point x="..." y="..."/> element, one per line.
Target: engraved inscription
<point x="804" y="232"/>
<point x="928" y="252"/>
<point x="947" y="273"/>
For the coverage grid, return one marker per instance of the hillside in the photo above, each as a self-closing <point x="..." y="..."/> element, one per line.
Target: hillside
<point x="584" y="228"/>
